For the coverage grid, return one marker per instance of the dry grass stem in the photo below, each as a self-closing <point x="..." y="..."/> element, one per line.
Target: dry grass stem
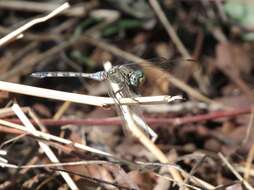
<point x="249" y="128"/>
<point x="248" y="165"/>
<point x="50" y="154"/>
<point x="169" y="29"/>
<point x="33" y="22"/>
<point x="63" y="108"/>
<point x="242" y="169"/>
<point x="237" y="175"/>
<point x="79" y="98"/>
<point x="41" y="7"/>
<point x="76" y="163"/>
<point x="49" y="137"/>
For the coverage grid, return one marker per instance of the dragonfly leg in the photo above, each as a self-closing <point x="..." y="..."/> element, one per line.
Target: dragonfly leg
<point x="133" y="98"/>
<point x="120" y="91"/>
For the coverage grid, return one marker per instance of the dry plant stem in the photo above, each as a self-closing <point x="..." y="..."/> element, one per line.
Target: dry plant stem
<point x="23" y="28"/>
<point x="14" y="139"/>
<point x="249" y="128"/>
<point x="4" y="129"/>
<point x="61" y="110"/>
<point x="169" y="29"/>
<point x="50" y="154"/>
<point x="32" y="161"/>
<point x="151" y="121"/>
<point x="132" y="126"/>
<point x="248" y="165"/>
<point x="242" y="169"/>
<point x="77" y="163"/>
<point x="100" y="182"/>
<point x="41" y="7"/>
<point x="237" y="175"/>
<point x="7" y="112"/>
<point x="178" y="43"/>
<point x="180" y="184"/>
<point x="52" y="165"/>
<point x="65" y="175"/>
<point x="131" y="57"/>
<point x="193" y="170"/>
<point x="251" y="152"/>
<point x="49" y="137"/>
<point x="199" y="45"/>
<point x="34" y="37"/>
<point x="79" y="98"/>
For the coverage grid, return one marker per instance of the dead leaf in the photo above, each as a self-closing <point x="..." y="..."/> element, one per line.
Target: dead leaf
<point x="233" y="58"/>
<point x="234" y="62"/>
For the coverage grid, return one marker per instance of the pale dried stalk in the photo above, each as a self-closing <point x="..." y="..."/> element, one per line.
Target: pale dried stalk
<point x="49" y="137"/>
<point x="41" y="7"/>
<point x="242" y="169"/>
<point x="50" y="154"/>
<point x="249" y="163"/>
<point x="28" y="25"/>
<point x="237" y="175"/>
<point x="132" y="126"/>
<point x="76" y="163"/>
<point x="80" y="98"/>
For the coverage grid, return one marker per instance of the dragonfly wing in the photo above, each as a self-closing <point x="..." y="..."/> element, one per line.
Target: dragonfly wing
<point x="156" y="62"/>
<point x="119" y="109"/>
<point x="135" y="109"/>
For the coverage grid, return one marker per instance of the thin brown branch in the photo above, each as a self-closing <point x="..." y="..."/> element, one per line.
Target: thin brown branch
<point x="42" y="7"/>
<point x="152" y="121"/>
<point x="171" y="32"/>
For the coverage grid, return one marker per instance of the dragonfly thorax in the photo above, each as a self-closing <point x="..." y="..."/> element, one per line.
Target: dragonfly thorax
<point x="116" y="75"/>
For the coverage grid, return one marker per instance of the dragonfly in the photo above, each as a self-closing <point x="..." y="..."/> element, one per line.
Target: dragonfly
<point x="129" y="77"/>
<point x="123" y="75"/>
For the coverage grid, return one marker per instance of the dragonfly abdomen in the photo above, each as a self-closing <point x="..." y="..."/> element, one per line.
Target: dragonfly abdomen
<point x="100" y="76"/>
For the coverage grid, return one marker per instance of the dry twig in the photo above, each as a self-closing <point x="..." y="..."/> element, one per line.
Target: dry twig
<point x="79" y="98"/>
<point x="48" y="137"/>
<point x="237" y="175"/>
<point x="42" y="7"/>
<point x="151" y="121"/>
<point x="16" y="33"/>
<point x="50" y="154"/>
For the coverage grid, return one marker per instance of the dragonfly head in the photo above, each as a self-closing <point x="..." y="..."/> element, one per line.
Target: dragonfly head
<point x="137" y="78"/>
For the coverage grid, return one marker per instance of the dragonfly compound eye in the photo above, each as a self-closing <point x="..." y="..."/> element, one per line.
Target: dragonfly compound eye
<point x="137" y="78"/>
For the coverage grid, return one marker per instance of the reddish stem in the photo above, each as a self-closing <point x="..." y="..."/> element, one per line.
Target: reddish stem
<point x="152" y="121"/>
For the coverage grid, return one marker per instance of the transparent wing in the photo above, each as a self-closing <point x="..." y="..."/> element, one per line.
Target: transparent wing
<point x="119" y="110"/>
<point x="155" y="72"/>
<point x="159" y="62"/>
<point x="135" y="109"/>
